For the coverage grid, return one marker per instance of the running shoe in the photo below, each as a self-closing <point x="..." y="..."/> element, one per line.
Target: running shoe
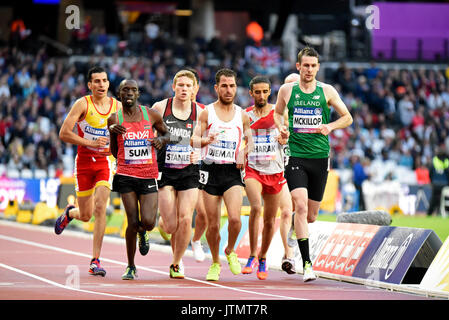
<point x="175" y="272"/>
<point x="233" y="262"/>
<point x="181" y="267"/>
<point x="262" y="272"/>
<point x="250" y="265"/>
<point x="144" y="242"/>
<point x="214" y="272"/>
<point x="288" y="265"/>
<point x="95" y="268"/>
<point x="130" y="273"/>
<point x="198" y="251"/>
<point x="309" y="275"/>
<point x="63" y="219"/>
<point x="164" y="234"/>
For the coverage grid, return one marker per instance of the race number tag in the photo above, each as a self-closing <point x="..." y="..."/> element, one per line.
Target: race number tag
<point x="204" y="177"/>
<point x="307" y="120"/>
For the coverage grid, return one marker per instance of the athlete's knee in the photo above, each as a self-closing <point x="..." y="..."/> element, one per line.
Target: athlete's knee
<point x="234" y="220"/>
<point x="185" y="220"/>
<point x="312" y="216"/>
<point x="256" y="210"/>
<point x="148" y="223"/>
<point x="85" y="218"/>
<point x="213" y="228"/>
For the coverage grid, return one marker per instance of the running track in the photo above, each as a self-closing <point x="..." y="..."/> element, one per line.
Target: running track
<point x="36" y="264"/>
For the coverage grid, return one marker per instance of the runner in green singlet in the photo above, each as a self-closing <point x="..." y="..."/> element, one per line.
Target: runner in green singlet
<point x="308" y="102"/>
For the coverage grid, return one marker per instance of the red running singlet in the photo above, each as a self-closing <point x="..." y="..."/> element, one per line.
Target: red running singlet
<point x="136" y="156"/>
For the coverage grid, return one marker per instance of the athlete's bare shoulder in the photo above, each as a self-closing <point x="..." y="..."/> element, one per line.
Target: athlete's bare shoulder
<point x="160" y="105"/>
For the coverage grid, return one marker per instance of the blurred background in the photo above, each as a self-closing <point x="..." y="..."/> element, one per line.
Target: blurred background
<point x="388" y="60"/>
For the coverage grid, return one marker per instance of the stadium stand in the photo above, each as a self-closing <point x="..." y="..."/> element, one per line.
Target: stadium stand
<point x="401" y="115"/>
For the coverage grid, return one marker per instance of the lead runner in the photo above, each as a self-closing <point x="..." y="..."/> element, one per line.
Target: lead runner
<point x="308" y="102"/>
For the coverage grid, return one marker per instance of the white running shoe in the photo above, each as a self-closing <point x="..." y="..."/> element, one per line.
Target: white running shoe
<point x="309" y="275"/>
<point x="198" y="251"/>
<point x="181" y="267"/>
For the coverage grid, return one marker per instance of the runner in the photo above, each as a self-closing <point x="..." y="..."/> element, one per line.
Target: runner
<point x="93" y="166"/>
<point x="264" y="174"/>
<point x="308" y="102"/>
<point x="220" y="131"/>
<point x="286" y="225"/>
<point x="178" y="183"/>
<point x="132" y="143"/>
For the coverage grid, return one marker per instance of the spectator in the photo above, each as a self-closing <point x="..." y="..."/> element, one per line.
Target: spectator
<point x="439" y="175"/>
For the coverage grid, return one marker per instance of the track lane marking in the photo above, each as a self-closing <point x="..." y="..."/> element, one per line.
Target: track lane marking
<point x="66" y="251"/>
<point x="56" y="284"/>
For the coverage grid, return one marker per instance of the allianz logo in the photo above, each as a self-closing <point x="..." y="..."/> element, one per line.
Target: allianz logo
<point x="388" y="255"/>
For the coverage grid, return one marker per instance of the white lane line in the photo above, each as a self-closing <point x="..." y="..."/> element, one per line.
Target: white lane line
<point x="53" y="283"/>
<point x="44" y="246"/>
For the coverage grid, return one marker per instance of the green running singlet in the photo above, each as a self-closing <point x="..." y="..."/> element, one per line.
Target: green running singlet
<point x="306" y="112"/>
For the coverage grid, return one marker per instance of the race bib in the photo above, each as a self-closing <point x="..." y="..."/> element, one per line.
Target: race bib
<point x="92" y="134"/>
<point x="307" y="120"/>
<point x="177" y="156"/>
<point x="265" y="148"/>
<point x="138" y="151"/>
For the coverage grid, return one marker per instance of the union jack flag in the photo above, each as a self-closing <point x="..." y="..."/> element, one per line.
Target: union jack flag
<point x="264" y="56"/>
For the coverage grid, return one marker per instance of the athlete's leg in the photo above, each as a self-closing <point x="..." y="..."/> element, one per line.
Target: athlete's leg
<point x="212" y="204"/>
<point x="300" y="202"/>
<point x="200" y="218"/>
<point x="167" y="208"/>
<point x="313" y="210"/>
<point x="233" y="200"/>
<point x="148" y="211"/>
<point x="253" y="190"/>
<point x="285" y="205"/>
<point x="186" y="201"/>
<point x="270" y="208"/>
<point x="129" y="200"/>
<point x="101" y="200"/>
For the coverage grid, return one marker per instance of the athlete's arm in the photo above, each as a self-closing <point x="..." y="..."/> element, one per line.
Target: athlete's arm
<point x="283" y="140"/>
<point x="197" y="140"/>
<point x="334" y="100"/>
<point x="279" y="110"/>
<point x="241" y="157"/>
<point x="66" y="133"/>
<point x="163" y="135"/>
<point x="112" y="122"/>
<point x="159" y="106"/>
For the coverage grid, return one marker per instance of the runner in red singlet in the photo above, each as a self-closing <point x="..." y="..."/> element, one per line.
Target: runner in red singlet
<point x="133" y="143"/>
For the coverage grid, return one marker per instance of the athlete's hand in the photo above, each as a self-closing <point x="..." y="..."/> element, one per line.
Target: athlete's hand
<point x="211" y="137"/>
<point x="282" y="140"/>
<point x="117" y="128"/>
<point x="99" y="142"/>
<point x="284" y="133"/>
<point x="324" y="129"/>
<point x="194" y="156"/>
<point x="157" y="142"/>
<point x="241" y="160"/>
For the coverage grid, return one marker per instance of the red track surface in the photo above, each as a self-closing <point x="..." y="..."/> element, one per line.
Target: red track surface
<point x="36" y="264"/>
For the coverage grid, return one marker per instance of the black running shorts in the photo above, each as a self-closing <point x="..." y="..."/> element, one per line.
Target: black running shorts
<point x="125" y="184"/>
<point x="307" y="173"/>
<point x="217" y="178"/>
<point x="180" y="179"/>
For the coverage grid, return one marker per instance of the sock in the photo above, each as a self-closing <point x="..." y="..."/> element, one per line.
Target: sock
<point x="68" y="216"/>
<point x="303" y="245"/>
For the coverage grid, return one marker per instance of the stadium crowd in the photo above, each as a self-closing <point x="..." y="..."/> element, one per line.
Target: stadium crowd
<point x="400" y="116"/>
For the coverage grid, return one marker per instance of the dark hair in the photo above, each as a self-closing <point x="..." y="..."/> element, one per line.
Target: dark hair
<point x="225" y="72"/>
<point x="309" y="52"/>
<point x="96" y="69"/>
<point x="259" y="79"/>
